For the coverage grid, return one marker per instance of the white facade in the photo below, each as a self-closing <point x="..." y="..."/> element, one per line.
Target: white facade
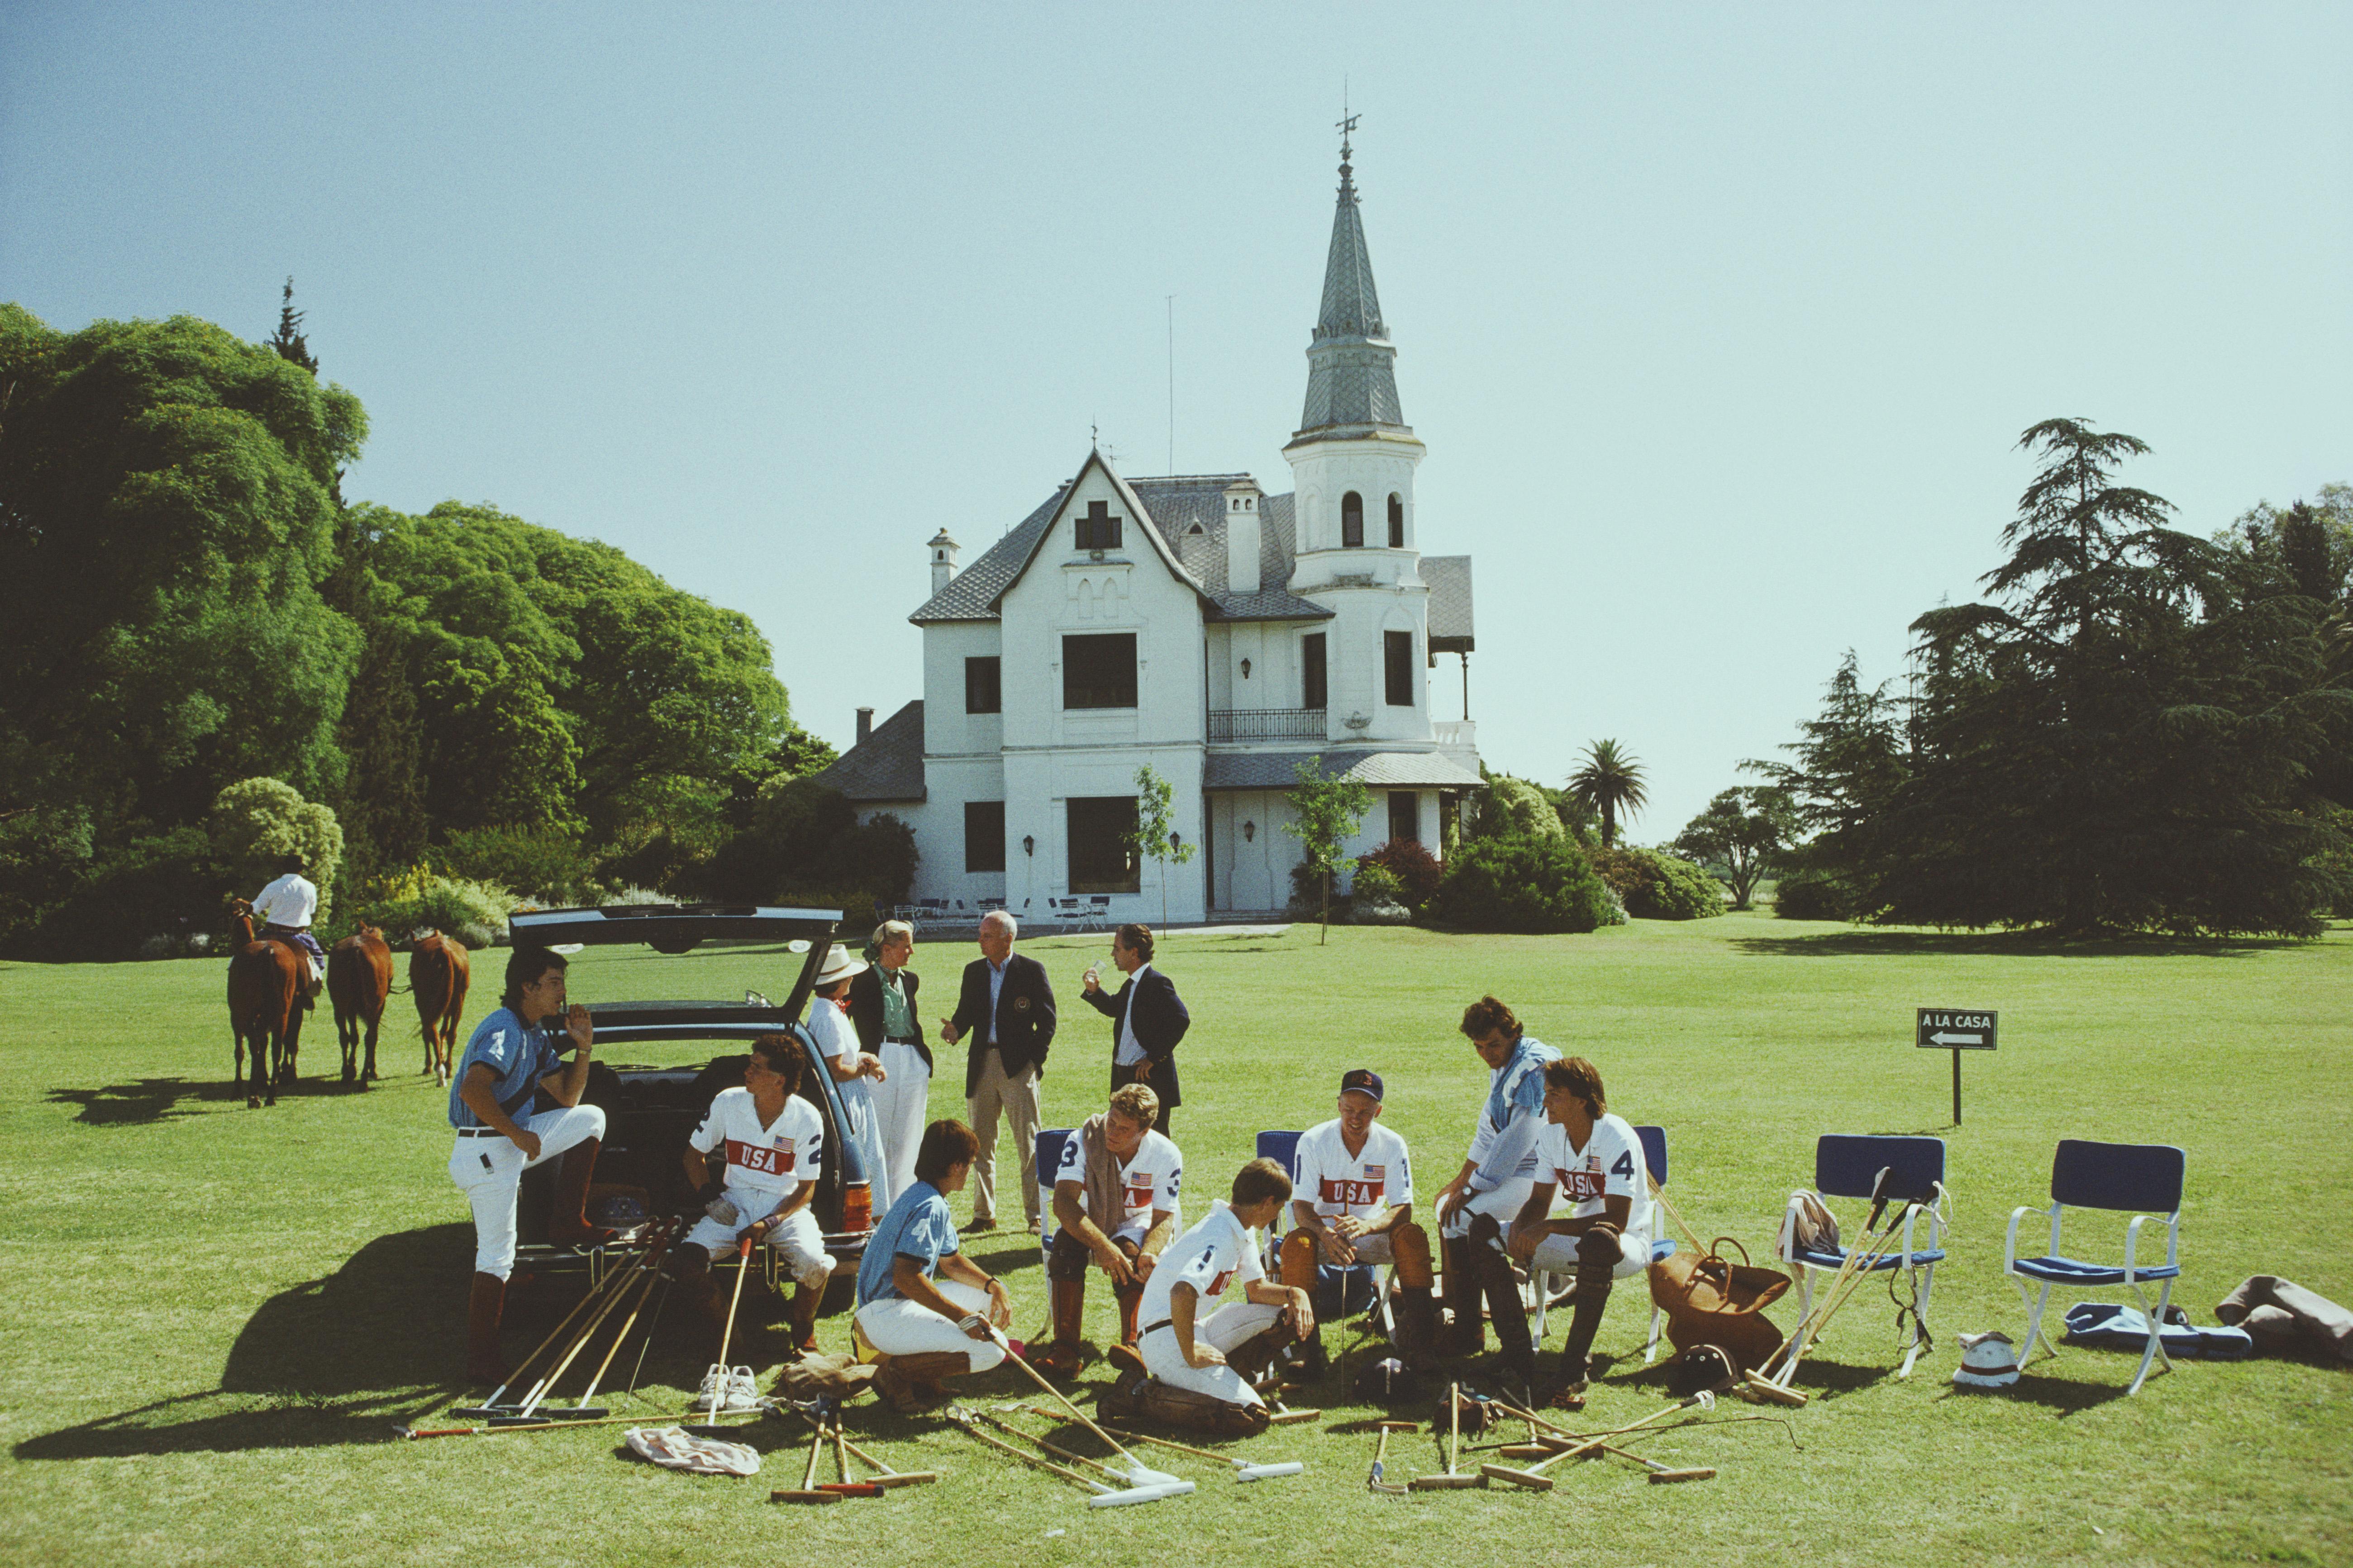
<point x="1264" y="630"/>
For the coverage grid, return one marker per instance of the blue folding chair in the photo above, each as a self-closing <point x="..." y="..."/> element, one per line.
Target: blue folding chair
<point x="1848" y="1166"/>
<point x="2143" y="1180"/>
<point x="1654" y="1160"/>
<point x="1049" y="1159"/>
<point x="1361" y="1288"/>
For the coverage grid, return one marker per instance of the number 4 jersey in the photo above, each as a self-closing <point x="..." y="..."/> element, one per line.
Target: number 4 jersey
<point x="776" y="1158"/>
<point x="1610" y="1165"/>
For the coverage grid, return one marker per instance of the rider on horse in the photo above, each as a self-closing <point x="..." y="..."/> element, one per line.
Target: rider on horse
<point x="285" y="908"/>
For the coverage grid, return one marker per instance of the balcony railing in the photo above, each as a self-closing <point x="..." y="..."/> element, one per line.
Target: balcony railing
<point x="1229" y="725"/>
<point x="1454" y="733"/>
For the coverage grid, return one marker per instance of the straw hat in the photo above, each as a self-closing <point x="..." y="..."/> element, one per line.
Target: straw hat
<point x="838" y="966"/>
<point x="1987" y="1360"/>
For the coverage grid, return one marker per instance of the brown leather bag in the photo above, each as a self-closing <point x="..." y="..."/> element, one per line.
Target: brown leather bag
<point x="1711" y="1301"/>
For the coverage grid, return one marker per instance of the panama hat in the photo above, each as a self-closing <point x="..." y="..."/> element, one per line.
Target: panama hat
<point x="838" y="966"/>
<point x="1987" y="1360"/>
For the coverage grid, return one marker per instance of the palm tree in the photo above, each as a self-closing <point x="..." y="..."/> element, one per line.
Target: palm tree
<point x="1609" y="781"/>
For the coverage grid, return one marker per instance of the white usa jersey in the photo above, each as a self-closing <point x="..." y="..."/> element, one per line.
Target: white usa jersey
<point x="776" y="1158"/>
<point x="1611" y="1165"/>
<point x="1338" y="1183"/>
<point x="1148" y="1181"/>
<point x="1209" y="1257"/>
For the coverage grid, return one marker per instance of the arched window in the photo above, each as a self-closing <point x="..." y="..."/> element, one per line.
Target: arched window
<point x="1352" y="521"/>
<point x="1396" y="521"/>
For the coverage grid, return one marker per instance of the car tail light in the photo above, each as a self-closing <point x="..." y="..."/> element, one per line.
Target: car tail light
<point x="858" y="1208"/>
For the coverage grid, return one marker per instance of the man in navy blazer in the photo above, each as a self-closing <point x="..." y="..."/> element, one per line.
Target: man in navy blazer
<point x="1007" y="1008"/>
<point x="1147" y="1020"/>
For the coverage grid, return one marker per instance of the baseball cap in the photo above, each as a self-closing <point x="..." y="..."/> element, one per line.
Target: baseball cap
<point x="1362" y="1080"/>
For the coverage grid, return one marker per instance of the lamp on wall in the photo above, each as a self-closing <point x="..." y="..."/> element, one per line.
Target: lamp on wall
<point x="1176" y="839"/>
<point x="1028" y="845"/>
<point x="1250" y="831"/>
<point x="1245" y="669"/>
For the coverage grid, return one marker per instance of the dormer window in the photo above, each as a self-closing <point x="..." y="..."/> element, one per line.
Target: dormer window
<point x="1352" y="521"/>
<point x="1396" y="521"/>
<point x="1099" y="529"/>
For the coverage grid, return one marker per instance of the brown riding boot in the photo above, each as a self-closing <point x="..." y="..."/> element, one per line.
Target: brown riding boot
<point x="801" y="1317"/>
<point x="1464" y="1335"/>
<point x="483" y="1363"/>
<point x="567" y="1225"/>
<point x="1416" y="1338"/>
<point x="1493" y="1270"/>
<point x="1256" y="1353"/>
<point x="1130" y="1301"/>
<point x="912" y="1384"/>
<point x="1065" y="1356"/>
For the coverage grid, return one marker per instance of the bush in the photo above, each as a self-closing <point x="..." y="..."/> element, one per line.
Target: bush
<point x="1521" y="885"/>
<point x="1414" y="868"/>
<point x="1375" y="883"/>
<point x="1307" y="893"/>
<point x="405" y="906"/>
<point x="547" y="864"/>
<point x="1515" y="808"/>
<point x="806" y="837"/>
<point x="256" y="823"/>
<point x="1812" y="896"/>
<point x="163" y="885"/>
<point x="1656" y="887"/>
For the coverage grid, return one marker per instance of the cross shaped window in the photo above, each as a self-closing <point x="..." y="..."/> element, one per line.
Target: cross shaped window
<point x="1098" y="530"/>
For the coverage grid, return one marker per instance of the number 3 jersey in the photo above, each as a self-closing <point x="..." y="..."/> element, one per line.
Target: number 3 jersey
<point x="1366" y="1185"/>
<point x="1611" y="1165"/>
<point x="776" y="1158"/>
<point x="1149" y="1179"/>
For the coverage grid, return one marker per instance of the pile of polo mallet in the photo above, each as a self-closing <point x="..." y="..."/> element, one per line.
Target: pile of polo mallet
<point x="1143" y="1483"/>
<point x="1860" y="1261"/>
<point x="826" y="1423"/>
<point x="631" y="1281"/>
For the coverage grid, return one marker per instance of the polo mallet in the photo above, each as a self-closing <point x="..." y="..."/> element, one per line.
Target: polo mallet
<point x="1244" y="1470"/>
<point x="1100" y="1495"/>
<point x="1146" y="1477"/>
<point x="727" y="1334"/>
<point x="499" y="1428"/>
<point x="884" y="1476"/>
<point x="595" y="1320"/>
<point x="491" y="1406"/>
<point x="1374" y="1482"/>
<point x="1588" y="1445"/>
<point x="1858" y="1265"/>
<point x="1060" y="1452"/>
<point x="808" y="1491"/>
<point x="653" y="1325"/>
<point x="652" y="1272"/>
<point x="1533" y="1477"/>
<point x="1454" y="1480"/>
<point x="1662" y="1474"/>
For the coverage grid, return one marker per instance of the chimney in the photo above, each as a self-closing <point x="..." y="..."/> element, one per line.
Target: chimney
<point x="1242" y="536"/>
<point x="865" y="724"/>
<point x="944" y="560"/>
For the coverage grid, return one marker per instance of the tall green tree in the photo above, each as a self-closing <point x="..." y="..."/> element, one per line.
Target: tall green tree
<point x="1154" y="837"/>
<point x="1610" y="783"/>
<point x="2122" y="737"/>
<point x="1848" y="762"/>
<point x="1325" y="812"/>
<point x="1746" y="829"/>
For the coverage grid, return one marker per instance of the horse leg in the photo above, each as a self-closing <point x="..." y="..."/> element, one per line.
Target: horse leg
<point x="374" y="1019"/>
<point x="347" y="1041"/>
<point x="291" y="1070"/>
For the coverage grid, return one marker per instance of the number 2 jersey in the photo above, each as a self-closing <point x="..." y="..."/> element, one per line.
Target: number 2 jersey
<point x="1209" y="1256"/>
<point x="1338" y="1183"/>
<point x="1611" y="1165"/>
<point x="774" y="1158"/>
<point x="1148" y="1180"/>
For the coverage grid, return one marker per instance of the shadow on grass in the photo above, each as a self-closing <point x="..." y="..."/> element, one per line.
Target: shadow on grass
<point x="150" y="1099"/>
<point x="2064" y="1396"/>
<point x="1868" y="943"/>
<point x="336" y="1360"/>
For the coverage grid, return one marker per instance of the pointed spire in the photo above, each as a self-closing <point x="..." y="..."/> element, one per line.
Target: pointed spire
<point x="1351" y="376"/>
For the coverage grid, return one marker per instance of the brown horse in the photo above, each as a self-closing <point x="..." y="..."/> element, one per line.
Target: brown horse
<point x="359" y="977"/>
<point x="437" y="973"/>
<point x="265" y="988"/>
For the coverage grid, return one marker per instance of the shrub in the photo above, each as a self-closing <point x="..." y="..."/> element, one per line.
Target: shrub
<point x="547" y="864"/>
<point x="1375" y="884"/>
<point x="1521" y="885"/>
<point x="1414" y="868"/>
<point x="406" y="905"/>
<point x="163" y="885"/>
<point x="256" y="823"/>
<point x="1515" y="808"/>
<point x="1307" y="893"/>
<point x="1812" y="896"/>
<point x="1656" y="887"/>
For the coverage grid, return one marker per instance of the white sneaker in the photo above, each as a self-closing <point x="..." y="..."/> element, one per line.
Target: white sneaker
<point x="733" y="1389"/>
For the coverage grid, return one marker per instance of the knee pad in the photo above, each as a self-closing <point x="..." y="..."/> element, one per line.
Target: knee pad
<point x="1138" y="1397"/>
<point x="1409" y="1250"/>
<point x="1299" y="1260"/>
<point x="1599" y="1244"/>
<point x="1068" y="1259"/>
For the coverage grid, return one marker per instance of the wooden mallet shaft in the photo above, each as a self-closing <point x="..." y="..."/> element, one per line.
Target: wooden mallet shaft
<point x="1452" y="1479"/>
<point x="809" y="1492"/>
<point x="886" y="1477"/>
<point x="727" y="1334"/>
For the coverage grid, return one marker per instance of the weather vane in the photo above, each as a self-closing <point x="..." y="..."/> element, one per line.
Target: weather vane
<point x="1347" y="121"/>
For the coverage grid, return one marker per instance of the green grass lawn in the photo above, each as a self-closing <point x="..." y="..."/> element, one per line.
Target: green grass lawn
<point x="212" y="1317"/>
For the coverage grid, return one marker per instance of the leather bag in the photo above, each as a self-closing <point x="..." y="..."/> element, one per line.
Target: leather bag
<point x="1711" y="1301"/>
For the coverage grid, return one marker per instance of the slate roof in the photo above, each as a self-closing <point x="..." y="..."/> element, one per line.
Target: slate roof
<point x="1351" y="365"/>
<point x="1449" y="577"/>
<point x="1377" y="769"/>
<point x="888" y="765"/>
<point x="1172" y="508"/>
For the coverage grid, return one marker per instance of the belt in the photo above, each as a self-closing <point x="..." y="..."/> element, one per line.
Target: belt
<point x="480" y="1132"/>
<point x="1163" y="1323"/>
<point x="900" y="1040"/>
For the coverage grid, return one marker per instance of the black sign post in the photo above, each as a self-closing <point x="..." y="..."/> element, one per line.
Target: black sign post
<point x="1955" y="1029"/>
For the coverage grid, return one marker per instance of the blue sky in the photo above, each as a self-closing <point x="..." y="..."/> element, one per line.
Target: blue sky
<point x="1720" y="322"/>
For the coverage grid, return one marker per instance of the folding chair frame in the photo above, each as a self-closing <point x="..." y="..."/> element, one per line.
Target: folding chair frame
<point x="1803" y="1337"/>
<point x="2039" y="1302"/>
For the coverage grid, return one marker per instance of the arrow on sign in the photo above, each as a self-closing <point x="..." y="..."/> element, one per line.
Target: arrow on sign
<point x="1941" y="1038"/>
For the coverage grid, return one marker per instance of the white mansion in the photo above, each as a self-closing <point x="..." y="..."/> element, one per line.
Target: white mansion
<point x="1198" y="623"/>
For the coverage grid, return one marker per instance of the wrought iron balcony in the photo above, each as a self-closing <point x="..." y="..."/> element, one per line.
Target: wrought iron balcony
<point x="1229" y="725"/>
